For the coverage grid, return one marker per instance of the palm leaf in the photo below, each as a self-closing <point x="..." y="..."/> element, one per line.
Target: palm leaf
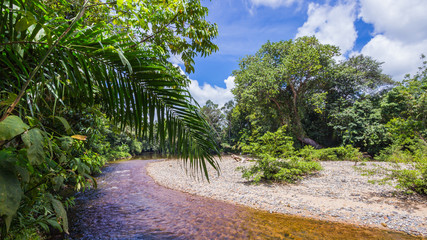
<point x="93" y="66"/>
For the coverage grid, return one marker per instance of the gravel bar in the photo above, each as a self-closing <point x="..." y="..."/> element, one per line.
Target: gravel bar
<point x="337" y="193"/>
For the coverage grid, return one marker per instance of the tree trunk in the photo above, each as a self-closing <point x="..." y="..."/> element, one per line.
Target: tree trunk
<point x="299" y="130"/>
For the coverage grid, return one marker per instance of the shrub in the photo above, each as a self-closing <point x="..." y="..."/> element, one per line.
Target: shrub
<point x="277" y="144"/>
<point x="272" y="149"/>
<point x="412" y="180"/>
<point x="273" y="169"/>
<point x="414" y="155"/>
<point x="119" y="152"/>
<point x="343" y="153"/>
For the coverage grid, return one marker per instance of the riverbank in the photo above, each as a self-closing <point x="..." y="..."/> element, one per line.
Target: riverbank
<point x="337" y="193"/>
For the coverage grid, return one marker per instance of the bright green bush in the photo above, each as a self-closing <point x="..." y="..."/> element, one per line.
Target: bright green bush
<point x="273" y="169"/>
<point x="412" y="179"/>
<point x="119" y="152"/>
<point x="277" y="144"/>
<point x="277" y="159"/>
<point x="343" y="153"/>
<point x="414" y="156"/>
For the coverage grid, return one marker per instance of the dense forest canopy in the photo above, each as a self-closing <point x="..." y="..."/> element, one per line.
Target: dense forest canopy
<point x="323" y="102"/>
<point x="295" y="105"/>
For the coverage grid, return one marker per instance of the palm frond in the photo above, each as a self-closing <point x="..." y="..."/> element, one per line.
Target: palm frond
<point x="92" y="66"/>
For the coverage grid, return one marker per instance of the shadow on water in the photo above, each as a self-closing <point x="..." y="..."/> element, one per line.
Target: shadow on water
<point x="128" y="204"/>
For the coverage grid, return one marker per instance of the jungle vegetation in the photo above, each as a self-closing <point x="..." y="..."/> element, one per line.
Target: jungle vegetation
<point x="295" y="104"/>
<point x="87" y="81"/>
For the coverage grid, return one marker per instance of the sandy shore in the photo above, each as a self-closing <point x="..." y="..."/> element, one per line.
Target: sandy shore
<point x="337" y="193"/>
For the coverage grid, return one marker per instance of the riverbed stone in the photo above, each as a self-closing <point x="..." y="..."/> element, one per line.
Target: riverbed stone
<point x="337" y="193"/>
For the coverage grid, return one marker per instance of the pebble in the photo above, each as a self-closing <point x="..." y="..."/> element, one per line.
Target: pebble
<point x="340" y="191"/>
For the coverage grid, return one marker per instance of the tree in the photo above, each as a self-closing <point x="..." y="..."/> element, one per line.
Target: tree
<point x="281" y="76"/>
<point x="172" y="27"/>
<point x="215" y="118"/>
<point x="354" y="79"/>
<point x="361" y="125"/>
<point x="357" y="76"/>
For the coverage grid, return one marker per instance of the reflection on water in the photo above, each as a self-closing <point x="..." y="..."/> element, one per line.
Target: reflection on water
<point x="128" y="204"/>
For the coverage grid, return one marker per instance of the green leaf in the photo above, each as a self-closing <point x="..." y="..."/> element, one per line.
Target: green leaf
<point x="34" y="141"/>
<point x="65" y="123"/>
<point x="54" y="224"/>
<point x="10" y="195"/>
<point x="24" y="23"/>
<point x="58" y="182"/>
<point x="7" y="158"/>
<point x="61" y="213"/>
<point x="32" y="121"/>
<point x="23" y="172"/>
<point x="66" y="143"/>
<point x="11" y="127"/>
<point x="9" y="100"/>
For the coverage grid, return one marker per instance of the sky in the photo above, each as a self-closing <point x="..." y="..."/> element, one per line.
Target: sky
<point x="391" y="31"/>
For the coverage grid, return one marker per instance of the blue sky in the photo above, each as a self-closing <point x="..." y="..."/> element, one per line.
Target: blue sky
<point x="391" y="31"/>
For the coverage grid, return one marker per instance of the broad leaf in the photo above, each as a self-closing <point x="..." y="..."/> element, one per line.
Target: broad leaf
<point x="58" y="182"/>
<point x="34" y="142"/>
<point x="10" y="195"/>
<point x="66" y="143"/>
<point x="11" y="127"/>
<point x="61" y="213"/>
<point x="65" y="124"/>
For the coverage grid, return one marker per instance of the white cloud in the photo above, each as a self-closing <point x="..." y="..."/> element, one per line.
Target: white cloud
<point x="274" y="3"/>
<point x="399" y="58"/>
<point x="217" y="94"/>
<point x="331" y="24"/>
<point x="400" y="28"/>
<point x="176" y="60"/>
<point x="401" y="20"/>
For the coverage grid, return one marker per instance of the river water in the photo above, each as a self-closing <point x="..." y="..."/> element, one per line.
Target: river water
<point x="128" y="204"/>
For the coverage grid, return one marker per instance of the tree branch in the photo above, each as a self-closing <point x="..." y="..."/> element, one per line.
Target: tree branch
<point x="160" y="30"/>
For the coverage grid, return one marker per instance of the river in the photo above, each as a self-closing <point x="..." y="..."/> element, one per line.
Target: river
<point x="128" y="204"/>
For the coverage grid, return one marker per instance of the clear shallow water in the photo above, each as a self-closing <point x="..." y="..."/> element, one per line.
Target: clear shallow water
<point x="128" y="204"/>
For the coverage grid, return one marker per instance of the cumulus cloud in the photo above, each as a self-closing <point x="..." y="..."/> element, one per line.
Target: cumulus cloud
<point x="399" y="58"/>
<point x="331" y="24"/>
<point x="176" y="60"/>
<point x="216" y="94"/>
<point x="274" y="3"/>
<point x="400" y="34"/>
<point x="401" y="20"/>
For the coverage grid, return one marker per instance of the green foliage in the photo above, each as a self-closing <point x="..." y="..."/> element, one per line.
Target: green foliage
<point x="34" y="142"/>
<point x="278" y="144"/>
<point x="414" y="179"/>
<point x="119" y="152"/>
<point x="277" y="159"/>
<point x="273" y="169"/>
<point x="343" y="153"/>
<point x="65" y="64"/>
<point x="273" y="85"/>
<point x="298" y="84"/>
<point x="10" y="193"/>
<point x="404" y="109"/>
<point x="215" y="118"/>
<point x="408" y="170"/>
<point x="360" y="125"/>
<point x="11" y="127"/>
